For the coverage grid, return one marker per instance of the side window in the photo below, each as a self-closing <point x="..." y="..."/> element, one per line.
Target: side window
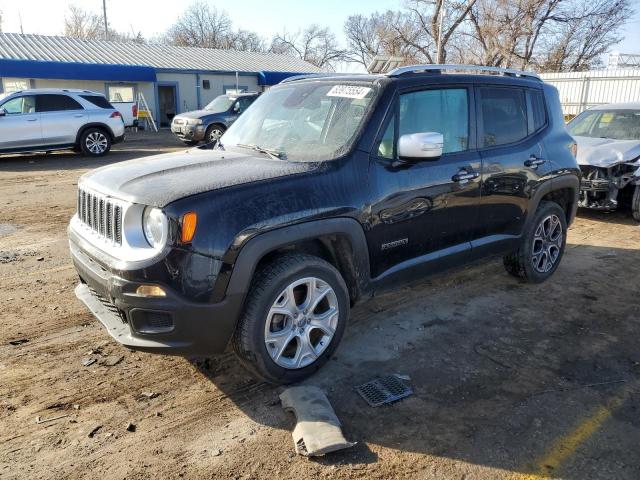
<point x="56" y="103"/>
<point x="538" y="112"/>
<point x="445" y="111"/>
<point x="387" y="143"/>
<point x="504" y="115"/>
<point x="244" y="102"/>
<point x="19" y="105"/>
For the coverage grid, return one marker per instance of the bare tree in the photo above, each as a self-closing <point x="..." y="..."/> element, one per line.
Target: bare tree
<point x="316" y="45"/>
<point x="79" y="23"/>
<point x="200" y="26"/>
<point x="244" y="40"/>
<point x="388" y="33"/>
<point x="82" y="24"/>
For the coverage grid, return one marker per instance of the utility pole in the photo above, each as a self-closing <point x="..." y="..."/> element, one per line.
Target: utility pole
<point x="106" y="25"/>
<point x="439" y="54"/>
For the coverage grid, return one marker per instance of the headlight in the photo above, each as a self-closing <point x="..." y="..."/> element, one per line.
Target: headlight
<point x="194" y="121"/>
<point x="154" y="225"/>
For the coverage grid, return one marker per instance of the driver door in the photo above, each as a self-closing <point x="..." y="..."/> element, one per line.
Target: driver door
<point x="424" y="212"/>
<point x="20" y="125"/>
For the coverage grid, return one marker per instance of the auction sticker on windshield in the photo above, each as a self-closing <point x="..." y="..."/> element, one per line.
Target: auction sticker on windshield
<point x="348" y="91"/>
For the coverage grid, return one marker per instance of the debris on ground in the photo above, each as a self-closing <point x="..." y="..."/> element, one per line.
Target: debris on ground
<point x="111" y="360"/>
<point x="19" y="341"/>
<point x="317" y="431"/>
<point x="148" y="395"/>
<point x="402" y="376"/>
<point x="131" y="427"/>
<point x="383" y="390"/>
<point x="86" y="362"/>
<point x="94" y="430"/>
<point x="40" y="420"/>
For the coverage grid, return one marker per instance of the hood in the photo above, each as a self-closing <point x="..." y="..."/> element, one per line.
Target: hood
<point x="162" y="179"/>
<point x="198" y="114"/>
<point x="606" y="152"/>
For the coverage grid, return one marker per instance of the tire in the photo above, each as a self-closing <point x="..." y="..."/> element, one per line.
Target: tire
<point x="214" y="132"/>
<point x="635" y="204"/>
<point x="95" y="142"/>
<point x="299" y="348"/>
<point x="542" y="245"/>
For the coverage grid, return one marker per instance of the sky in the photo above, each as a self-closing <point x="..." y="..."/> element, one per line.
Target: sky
<point x="152" y="17"/>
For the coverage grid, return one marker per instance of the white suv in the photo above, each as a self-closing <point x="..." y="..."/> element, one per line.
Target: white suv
<point x="59" y="119"/>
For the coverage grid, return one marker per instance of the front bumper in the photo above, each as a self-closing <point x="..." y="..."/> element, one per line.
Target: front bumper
<point x="168" y="325"/>
<point x="189" y="133"/>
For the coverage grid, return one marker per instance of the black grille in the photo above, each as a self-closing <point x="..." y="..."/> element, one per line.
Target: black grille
<point x="101" y="214"/>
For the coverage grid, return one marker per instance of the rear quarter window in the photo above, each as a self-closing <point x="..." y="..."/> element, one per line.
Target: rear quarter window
<point x="98" y="101"/>
<point x="538" y="110"/>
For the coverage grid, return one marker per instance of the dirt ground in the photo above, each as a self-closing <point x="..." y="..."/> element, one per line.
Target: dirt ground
<point x="510" y="381"/>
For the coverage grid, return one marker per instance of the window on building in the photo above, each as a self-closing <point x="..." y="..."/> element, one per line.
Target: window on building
<point x="98" y="101"/>
<point x="56" y="103"/>
<point x="504" y="115"/>
<point x="19" y="105"/>
<point x="121" y="93"/>
<point x="445" y="111"/>
<point x="206" y="84"/>
<point x="10" y="85"/>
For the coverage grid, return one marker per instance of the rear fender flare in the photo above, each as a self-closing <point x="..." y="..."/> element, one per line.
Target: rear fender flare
<point x="557" y="183"/>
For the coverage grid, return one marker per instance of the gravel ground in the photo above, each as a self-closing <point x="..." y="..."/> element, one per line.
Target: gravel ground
<point x="510" y="381"/>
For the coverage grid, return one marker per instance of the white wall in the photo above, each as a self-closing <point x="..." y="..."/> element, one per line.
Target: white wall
<point x="218" y="82"/>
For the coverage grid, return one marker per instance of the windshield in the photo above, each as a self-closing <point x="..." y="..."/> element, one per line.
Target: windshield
<point x="220" y="104"/>
<point x="310" y="121"/>
<point x="615" y="124"/>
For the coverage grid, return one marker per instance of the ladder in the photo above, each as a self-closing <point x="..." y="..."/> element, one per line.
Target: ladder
<point x="144" y="112"/>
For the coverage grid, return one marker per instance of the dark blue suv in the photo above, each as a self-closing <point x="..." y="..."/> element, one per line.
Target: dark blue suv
<point x="329" y="189"/>
<point x="212" y="121"/>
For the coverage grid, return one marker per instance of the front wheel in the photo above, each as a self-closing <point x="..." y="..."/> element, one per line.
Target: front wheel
<point x="294" y="318"/>
<point x="95" y="142"/>
<point x="635" y="204"/>
<point x="542" y="245"/>
<point x="213" y="133"/>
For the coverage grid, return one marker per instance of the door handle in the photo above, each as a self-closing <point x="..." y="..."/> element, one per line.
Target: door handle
<point x="534" y="162"/>
<point x="464" y="176"/>
<point x="32" y="119"/>
<point x="78" y="115"/>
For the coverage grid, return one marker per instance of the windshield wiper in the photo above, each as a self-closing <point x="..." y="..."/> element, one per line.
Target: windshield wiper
<point x="274" y="154"/>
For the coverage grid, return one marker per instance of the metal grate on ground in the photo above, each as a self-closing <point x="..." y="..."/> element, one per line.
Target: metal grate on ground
<point x="384" y="390"/>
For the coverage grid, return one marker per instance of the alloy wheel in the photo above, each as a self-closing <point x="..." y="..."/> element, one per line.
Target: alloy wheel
<point x="301" y="323"/>
<point x="96" y="142"/>
<point x="215" y="134"/>
<point x="547" y="244"/>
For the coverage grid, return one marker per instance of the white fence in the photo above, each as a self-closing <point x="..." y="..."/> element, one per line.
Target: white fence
<point x="581" y="90"/>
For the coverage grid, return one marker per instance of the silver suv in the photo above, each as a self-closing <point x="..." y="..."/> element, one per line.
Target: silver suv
<point x="59" y="119"/>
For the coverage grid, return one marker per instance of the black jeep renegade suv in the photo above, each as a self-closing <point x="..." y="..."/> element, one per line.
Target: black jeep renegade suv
<point x="328" y="189"/>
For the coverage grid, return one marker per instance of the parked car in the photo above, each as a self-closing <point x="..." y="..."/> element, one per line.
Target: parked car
<point x="59" y="119"/>
<point x="209" y="124"/>
<point x="608" y="138"/>
<point x="129" y="112"/>
<point x="327" y="190"/>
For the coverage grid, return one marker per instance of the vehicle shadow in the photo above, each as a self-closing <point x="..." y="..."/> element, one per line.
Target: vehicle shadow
<point x="501" y="371"/>
<point x="622" y="216"/>
<point x="137" y="145"/>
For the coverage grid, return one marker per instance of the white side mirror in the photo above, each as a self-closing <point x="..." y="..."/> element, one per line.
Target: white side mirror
<point x="421" y="145"/>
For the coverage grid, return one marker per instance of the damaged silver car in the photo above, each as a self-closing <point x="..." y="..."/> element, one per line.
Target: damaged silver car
<point x="608" y="138"/>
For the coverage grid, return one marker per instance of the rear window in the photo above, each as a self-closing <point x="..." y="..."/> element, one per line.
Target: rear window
<point x="56" y="103"/>
<point x="97" y="100"/>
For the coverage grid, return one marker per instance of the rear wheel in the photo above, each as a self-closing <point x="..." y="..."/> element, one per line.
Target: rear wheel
<point x="294" y="318"/>
<point x="95" y="142"/>
<point x="635" y="204"/>
<point x="542" y="245"/>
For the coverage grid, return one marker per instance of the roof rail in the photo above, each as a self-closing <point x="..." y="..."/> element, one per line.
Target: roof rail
<point x="312" y="75"/>
<point x="435" y="68"/>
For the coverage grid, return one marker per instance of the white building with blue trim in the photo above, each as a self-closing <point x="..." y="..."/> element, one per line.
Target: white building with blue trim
<point x="172" y="79"/>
